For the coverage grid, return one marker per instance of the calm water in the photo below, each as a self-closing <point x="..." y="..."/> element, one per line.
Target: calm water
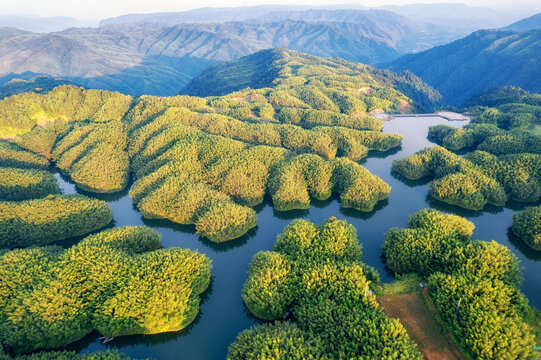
<point x="223" y="315"/>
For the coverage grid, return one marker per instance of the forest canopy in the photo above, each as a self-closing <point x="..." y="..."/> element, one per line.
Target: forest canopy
<point x="474" y="285"/>
<point x="527" y="226"/>
<point x="52" y="218"/>
<point x="117" y="282"/>
<point x="315" y="273"/>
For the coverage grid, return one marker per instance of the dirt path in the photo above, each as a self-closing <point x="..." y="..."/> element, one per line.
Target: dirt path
<point x="421" y="326"/>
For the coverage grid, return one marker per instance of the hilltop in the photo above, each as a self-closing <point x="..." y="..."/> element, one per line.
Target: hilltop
<point x="526" y="24"/>
<point x="478" y="62"/>
<point x="283" y="68"/>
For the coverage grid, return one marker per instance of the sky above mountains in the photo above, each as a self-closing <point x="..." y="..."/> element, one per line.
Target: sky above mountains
<point x="99" y="9"/>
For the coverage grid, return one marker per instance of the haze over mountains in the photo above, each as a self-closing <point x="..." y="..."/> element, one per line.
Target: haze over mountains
<point x="158" y="54"/>
<point x="479" y="62"/>
<point x="159" y="58"/>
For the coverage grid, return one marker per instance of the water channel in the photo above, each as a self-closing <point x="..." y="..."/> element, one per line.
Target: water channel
<point x="223" y="315"/>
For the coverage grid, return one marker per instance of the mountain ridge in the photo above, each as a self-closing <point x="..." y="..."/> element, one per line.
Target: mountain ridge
<point x="478" y="62"/>
<point x="160" y="60"/>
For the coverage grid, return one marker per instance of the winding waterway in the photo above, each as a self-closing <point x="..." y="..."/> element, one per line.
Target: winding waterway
<point x="223" y="315"/>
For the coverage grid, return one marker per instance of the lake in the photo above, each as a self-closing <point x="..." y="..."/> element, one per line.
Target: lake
<point x="223" y="315"/>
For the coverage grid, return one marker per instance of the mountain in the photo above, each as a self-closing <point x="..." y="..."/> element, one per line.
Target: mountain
<point x="478" y="62"/>
<point x="529" y="23"/>
<point x="157" y="59"/>
<point x="201" y="15"/>
<point x="283" y="69"/>
<point x="458" y="16"/>
<point x="38" y="84"/>
<point x="39" y="23"/>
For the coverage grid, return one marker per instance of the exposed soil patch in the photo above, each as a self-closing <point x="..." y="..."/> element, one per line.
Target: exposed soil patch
<point x="247" y="98"/>
<point x="364" y="90"/>
<point x="423" y="329"/>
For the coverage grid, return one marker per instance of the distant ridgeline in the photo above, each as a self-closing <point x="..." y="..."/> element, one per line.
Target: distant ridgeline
<point x="504" y="158"/>
<point x="477" y="63"/>
<point x="207" y="161"/>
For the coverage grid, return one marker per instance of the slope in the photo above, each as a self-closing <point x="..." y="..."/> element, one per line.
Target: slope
<point x="526" y="24"/>
<point x="283" y="69"/>
<point x="159" y="58"/>
<point x="478" y="62"/>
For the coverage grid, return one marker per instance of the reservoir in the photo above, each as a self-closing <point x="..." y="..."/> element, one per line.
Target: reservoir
<point x="222" y="313"/>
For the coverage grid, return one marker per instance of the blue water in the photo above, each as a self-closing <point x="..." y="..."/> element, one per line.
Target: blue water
<point x="223" y="315"/>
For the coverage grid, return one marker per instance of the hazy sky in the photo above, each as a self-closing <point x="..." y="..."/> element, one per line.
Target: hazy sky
<point x="98" y="9"/>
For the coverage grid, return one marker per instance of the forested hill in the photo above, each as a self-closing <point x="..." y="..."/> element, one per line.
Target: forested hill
<point x="159" y="58"/>
<point x="478" y="62"/>
<point x="529" y="23"/>
<point x="283" y="68"/>
<point x="37" y="84"/>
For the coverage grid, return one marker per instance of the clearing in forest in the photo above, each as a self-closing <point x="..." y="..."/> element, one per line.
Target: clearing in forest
<point x="423" y="329"/>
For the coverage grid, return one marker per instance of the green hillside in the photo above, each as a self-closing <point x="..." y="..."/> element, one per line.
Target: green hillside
<point x="477" y="63"/>
<point x="208" y="161"/>
<point x="39" y="84"/>
<point x="287" y="70"/>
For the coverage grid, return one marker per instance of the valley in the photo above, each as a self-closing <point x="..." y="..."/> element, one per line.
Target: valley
<point x="271" y="182"/>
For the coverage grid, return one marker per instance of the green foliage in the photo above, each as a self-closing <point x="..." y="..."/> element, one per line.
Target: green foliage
<point x="95" y="156"/>
<point x="486" y="137"/>
<point x="117" y="282"/>
<point x="324" y="141"/>
<point x="24" y="184"/>
<point x="282" y="340"/>
<point x="41" y="140"/>
<point x="303" y="81"/>
<point x="192" y="177"/>
<point x="69" y="355"/>
<point x="527" y="226"/>
<point x="474" y="285"/>
<point x="476" y="179"/>
<point x="39" y="84"/>
<point x="19" y="113"/>
<point x="53" y="218"/>
<point x="405" y="284"/>
<point x="12" y="155"/>
<point x="315" y="273"/>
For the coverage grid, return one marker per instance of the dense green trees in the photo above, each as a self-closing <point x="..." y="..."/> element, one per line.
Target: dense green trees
<point x="527" y="226"/>
<point x="118" y="282"/>
<point x="486" y="137"/>
<point x="19" y="113"/>
<point x="474" y="285"/>
<point x="68" y="355"/>
<point x="24" y="184"/>
<point x="189" y="176"/>
<point x="53" y="218"/>
<point x="323" y="140"/>
<point x="315" y="273"/>
<point x="95" y="156"/>
<point x="12" y="155"/>
<point x="476" y="179"/>
<point x="301" y="80"/>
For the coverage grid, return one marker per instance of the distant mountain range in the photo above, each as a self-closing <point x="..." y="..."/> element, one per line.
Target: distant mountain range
<point x="530" y="23"/>
<point x="159" y="59"/>
<point x="40" y="23"/>
<point x="456" y="16"/>
<point x="158" y="54"/>
<point x="478" y="62"/>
